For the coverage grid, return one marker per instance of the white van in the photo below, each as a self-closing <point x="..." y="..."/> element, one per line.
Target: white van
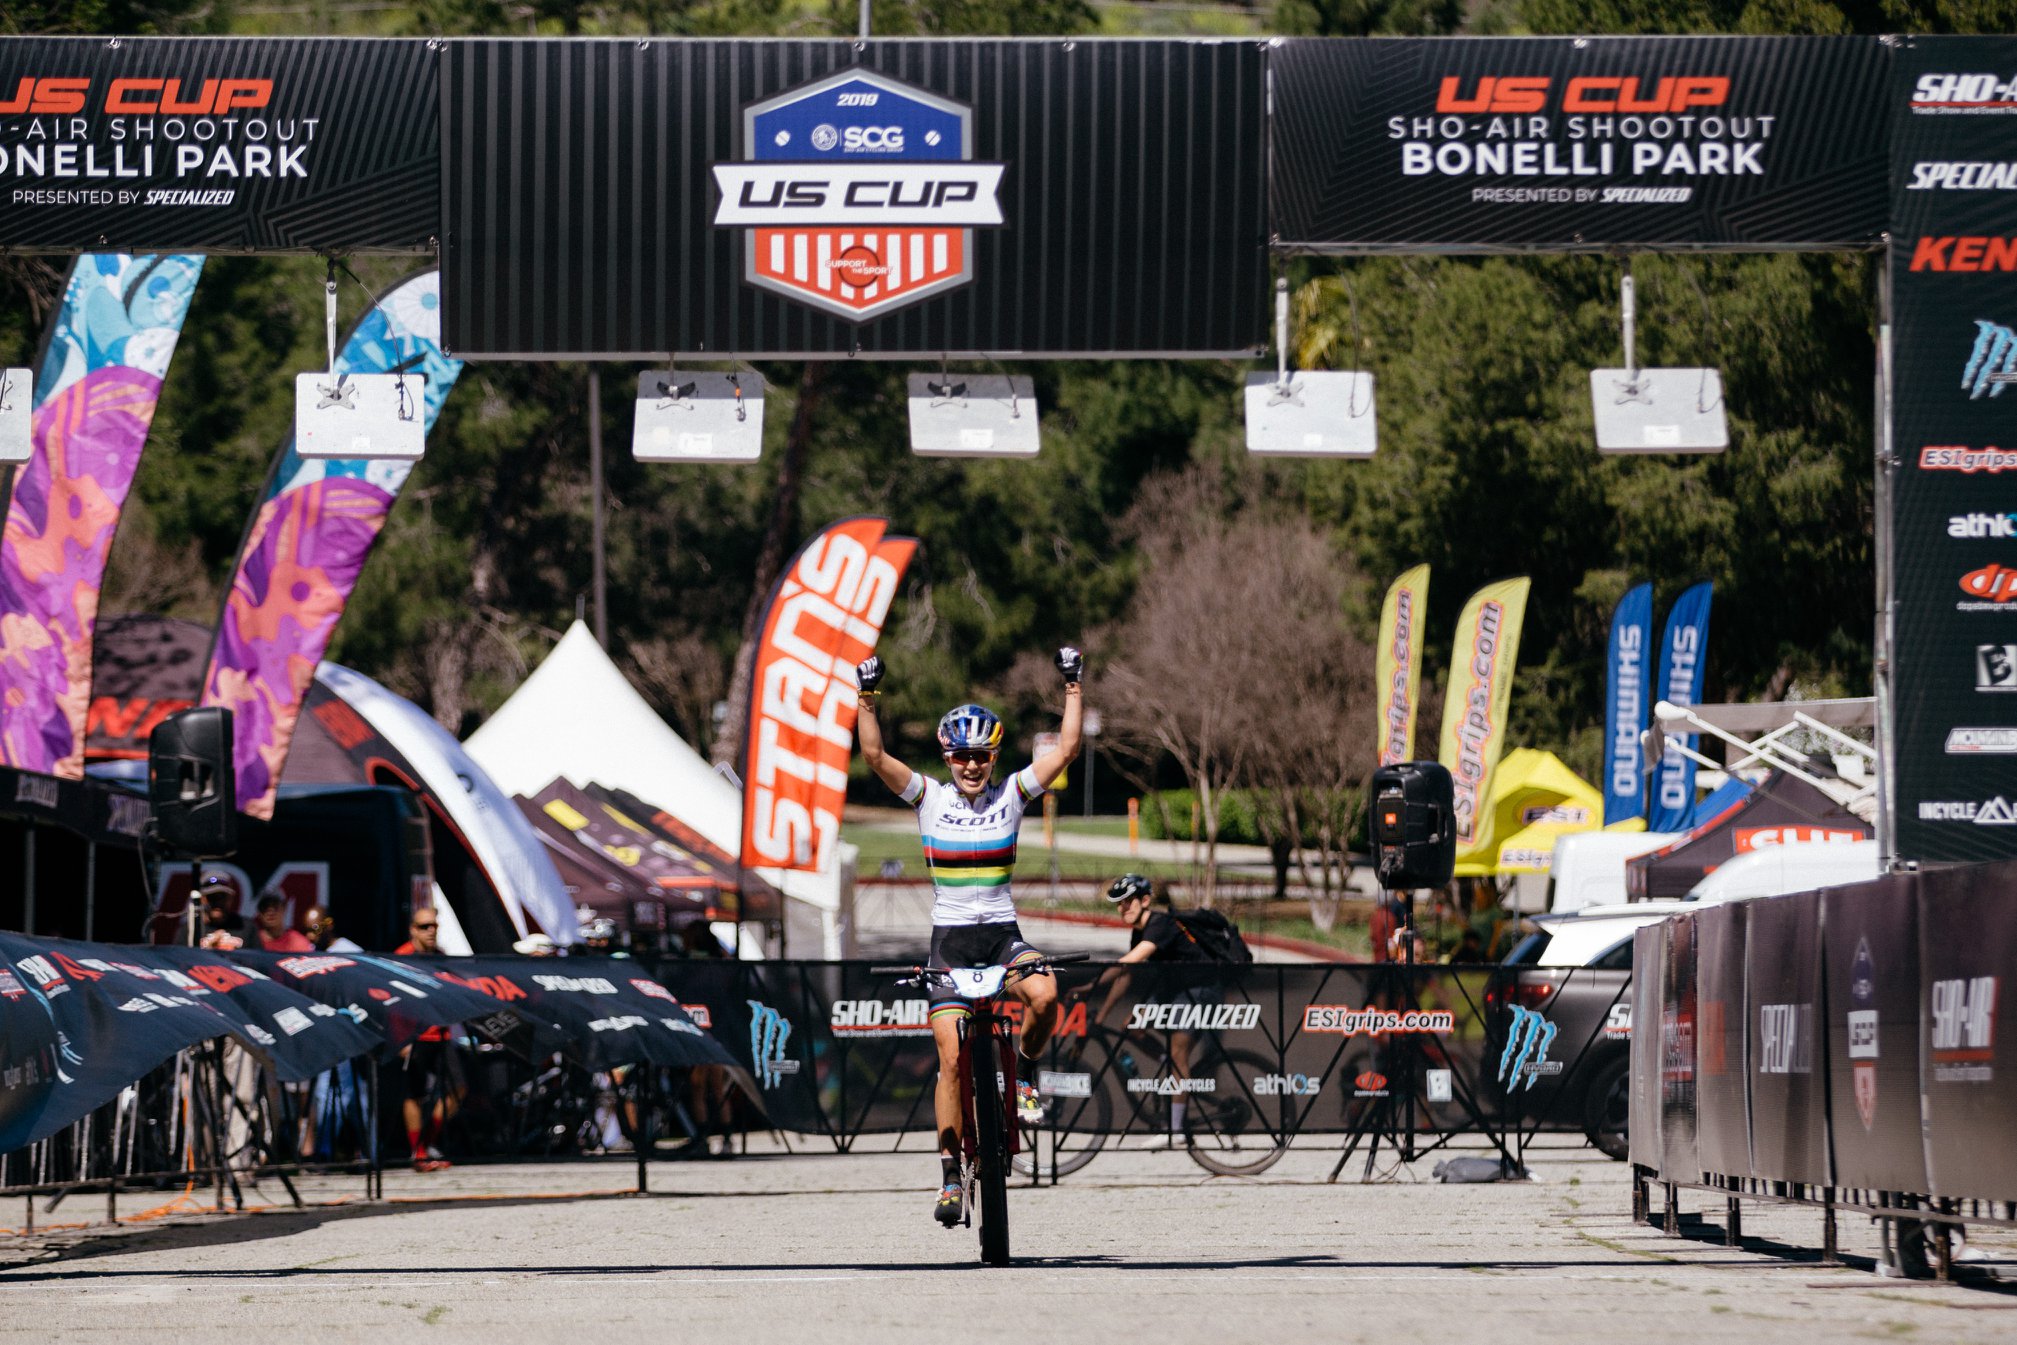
<point x="1799" y="867"/>
<point x="1589" y="867"/>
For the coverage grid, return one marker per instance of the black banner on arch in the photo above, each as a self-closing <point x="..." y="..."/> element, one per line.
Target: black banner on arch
<point x="1559" y="144"/>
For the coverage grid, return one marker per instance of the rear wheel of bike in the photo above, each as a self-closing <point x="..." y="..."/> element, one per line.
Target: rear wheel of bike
<point x="1077" y="1126"/>
<point x="991" y="1148"/>
<point x="1230" y="1127"/>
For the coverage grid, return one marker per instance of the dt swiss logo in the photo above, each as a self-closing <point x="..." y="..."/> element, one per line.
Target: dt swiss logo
<point x="858" y="194"/>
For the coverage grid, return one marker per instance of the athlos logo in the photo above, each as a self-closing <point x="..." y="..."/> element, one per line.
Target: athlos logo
<point x="859" y="194"/>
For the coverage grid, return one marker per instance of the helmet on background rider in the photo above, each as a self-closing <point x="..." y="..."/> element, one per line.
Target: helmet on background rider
<point x="969" y="728"/>
<point x="1130" y="885"/>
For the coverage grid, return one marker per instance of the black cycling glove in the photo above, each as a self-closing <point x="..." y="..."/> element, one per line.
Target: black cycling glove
<point x="1071" y="663"/>
<point x="868" y="674"/>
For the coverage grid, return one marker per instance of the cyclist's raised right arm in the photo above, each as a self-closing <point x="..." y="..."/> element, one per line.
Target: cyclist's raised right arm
<point x="868" y="728"/>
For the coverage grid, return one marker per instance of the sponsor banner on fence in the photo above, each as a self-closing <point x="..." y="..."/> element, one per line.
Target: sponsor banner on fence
<point x="1627" y="701"/>
<point x="1683" y="651"/>
<point x="1478" y="699"/>
<point x="614" y="1012"/>
<point x="1788" y="1092"/>
<point x="1460" y="144"/>
<point x="308" y="541"/>
<point x="1722" y="1112"/>
<point x="215" y="144"/>
<point x="825" y="197"/>
<point x="1871" y="961"/>
<point x="1953" y="363"/>
<point x="1398" y="664"/>
<point x="1968" y="1031"/>
<point x="824" y="617"/>
<point x="100" y="375"/>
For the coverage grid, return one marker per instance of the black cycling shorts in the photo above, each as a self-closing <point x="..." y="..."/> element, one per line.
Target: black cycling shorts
<point x="998" y="945"/>
<point x="433" y="1071"/>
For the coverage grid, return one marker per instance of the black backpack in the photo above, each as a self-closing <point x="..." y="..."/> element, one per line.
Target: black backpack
<point x="1212" y="935"/>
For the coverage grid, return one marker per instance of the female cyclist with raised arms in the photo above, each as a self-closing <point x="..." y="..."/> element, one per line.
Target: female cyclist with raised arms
<point x="969" y="830"/>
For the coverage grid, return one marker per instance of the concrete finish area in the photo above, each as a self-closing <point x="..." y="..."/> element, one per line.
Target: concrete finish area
<point x="814" y="1249"/>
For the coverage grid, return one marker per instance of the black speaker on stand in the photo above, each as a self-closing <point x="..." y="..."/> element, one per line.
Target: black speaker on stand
<point x="191" y="784"/>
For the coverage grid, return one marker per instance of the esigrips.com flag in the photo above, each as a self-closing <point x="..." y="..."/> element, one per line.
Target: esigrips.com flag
<point x="1480" y="695"/>
<point x="1398" y="664"/>
<point x="824" y="618"/>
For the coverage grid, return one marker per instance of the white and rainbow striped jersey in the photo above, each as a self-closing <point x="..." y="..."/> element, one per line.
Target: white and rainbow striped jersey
<point x="970" y="847"/>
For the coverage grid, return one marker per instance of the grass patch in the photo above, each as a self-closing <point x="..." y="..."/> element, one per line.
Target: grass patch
<point x="434" y="1315"/>
<point x="1619" y="1247"/>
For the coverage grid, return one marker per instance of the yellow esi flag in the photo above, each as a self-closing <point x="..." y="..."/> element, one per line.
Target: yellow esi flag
<point x="1398" y="666"/>
<point x="1480" y="694"/>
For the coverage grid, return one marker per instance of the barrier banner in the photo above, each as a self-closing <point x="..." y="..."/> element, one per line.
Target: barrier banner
<point x="1788" y="1065"/>
<point x="400" y="998"/>
<point x="1722" y="1119"/>
<point x="1649" y="960"/>
<point x="115" y="1018"/>
<point x="1870" y="934"/>
<point x="1398" y="663"/>
<point x="219" y="144"/>
<point x="306" y="544"/>
<point x="1952" y="366"/>
<point x="823" y="618"/>
<point x="1626" y="707"/>
<point x="613" y="1011"/>
<point x="1968" y="1030"/>
<point x="1677" y="1047"/>
<point x="1671" y="802"/>
<point x="1480" y="693"/>
<point x="98" y="380"/>
<point x="794" y="198"/>
<point x="1469" y="144"/>
<point x="299" y="1036"/>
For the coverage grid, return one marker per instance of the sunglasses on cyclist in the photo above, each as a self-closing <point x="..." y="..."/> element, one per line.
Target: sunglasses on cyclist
<point x="970" y="757"/>
<point x="429" y="925"/>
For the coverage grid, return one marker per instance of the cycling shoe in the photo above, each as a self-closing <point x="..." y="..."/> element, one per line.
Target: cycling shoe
<point x="951" y="1204"/>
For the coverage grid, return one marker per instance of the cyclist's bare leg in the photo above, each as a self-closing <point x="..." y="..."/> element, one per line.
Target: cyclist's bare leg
<point x="1039" y="995"/>
<point x="945" y="1099"/>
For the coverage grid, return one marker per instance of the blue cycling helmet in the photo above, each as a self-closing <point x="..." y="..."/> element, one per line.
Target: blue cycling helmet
<point x="969" y="728"/>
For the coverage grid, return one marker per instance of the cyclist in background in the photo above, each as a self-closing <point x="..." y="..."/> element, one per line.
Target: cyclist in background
<point x="1155" y="935"/>
<point x="969" y="829"/>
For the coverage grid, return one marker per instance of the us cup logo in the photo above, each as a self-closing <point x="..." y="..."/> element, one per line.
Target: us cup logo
<point x="859" y="194"/>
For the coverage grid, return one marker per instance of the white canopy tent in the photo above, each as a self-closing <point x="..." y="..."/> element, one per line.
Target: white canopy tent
<point x="578" y="716"/>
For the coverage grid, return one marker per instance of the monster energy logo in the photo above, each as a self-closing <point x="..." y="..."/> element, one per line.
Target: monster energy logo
<point x="1993" y="363"/>
<point x="769" y="1030"/>
<point x="1530" y="1035"/>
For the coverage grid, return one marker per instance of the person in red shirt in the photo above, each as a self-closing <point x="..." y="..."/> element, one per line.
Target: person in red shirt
<point x="433" y="1075"/>
<point x="271" y="933"/>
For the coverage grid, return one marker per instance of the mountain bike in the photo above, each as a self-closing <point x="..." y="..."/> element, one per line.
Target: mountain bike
<point x="987" y="1084"/>
<point x="1237" y="1118"/>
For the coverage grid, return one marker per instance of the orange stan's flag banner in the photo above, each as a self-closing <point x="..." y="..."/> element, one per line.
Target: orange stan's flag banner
<point x="1480" y="695"/>
<point x="1398" y="664"/>
<point x="824" y="618"/>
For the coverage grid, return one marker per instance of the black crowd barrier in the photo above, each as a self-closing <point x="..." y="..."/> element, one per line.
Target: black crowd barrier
<point x="1853" y="1046"/>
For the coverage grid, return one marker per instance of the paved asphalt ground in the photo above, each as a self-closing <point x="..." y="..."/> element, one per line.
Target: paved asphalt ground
<point x="816" y="1249"/>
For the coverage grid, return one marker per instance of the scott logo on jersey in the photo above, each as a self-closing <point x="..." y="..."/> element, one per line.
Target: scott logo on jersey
<point x="859" y="194"/>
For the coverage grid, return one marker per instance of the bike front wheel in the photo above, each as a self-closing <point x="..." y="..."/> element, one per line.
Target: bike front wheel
<point x="984" y="1058"/>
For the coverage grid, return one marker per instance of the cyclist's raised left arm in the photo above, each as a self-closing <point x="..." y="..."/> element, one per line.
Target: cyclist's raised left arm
<point x="868" y="728"/>
<point x="1051" y="764"/>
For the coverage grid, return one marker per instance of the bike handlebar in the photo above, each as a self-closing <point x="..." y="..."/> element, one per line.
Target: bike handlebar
<point x="1048" y="960"/>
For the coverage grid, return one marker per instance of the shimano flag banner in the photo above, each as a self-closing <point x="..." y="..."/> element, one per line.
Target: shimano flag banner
<point x="824" y="617"/>
<point x="215" y="144"/>
<point x="1681" y="660"/>
<point x="1480" y="695"/>
<point x="307" y="543"/>
<point x="1398" y="664"/>
<point x="1951" y="665"/>
<point x="100" y="376"/>
<point x="1455" y="144"/>
<point x="1626" y="706"/>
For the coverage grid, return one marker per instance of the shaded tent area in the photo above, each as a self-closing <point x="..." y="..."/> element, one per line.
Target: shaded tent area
<point x="1781" y="809"/>
<point x="1535" y="800"/>
<point x="379" y="810"/>
<point x="578" y="722"/>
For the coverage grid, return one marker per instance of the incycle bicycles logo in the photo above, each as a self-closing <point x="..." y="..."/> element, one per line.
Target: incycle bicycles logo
<point x="860" y="194"/>
<point x="769" y="1030"/>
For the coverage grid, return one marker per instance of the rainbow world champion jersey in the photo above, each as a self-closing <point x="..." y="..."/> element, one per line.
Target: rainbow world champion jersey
<point x="970" y="848"/>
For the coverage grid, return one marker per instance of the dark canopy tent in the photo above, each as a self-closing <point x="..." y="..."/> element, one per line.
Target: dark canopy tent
<point x="1783" y="807"/>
